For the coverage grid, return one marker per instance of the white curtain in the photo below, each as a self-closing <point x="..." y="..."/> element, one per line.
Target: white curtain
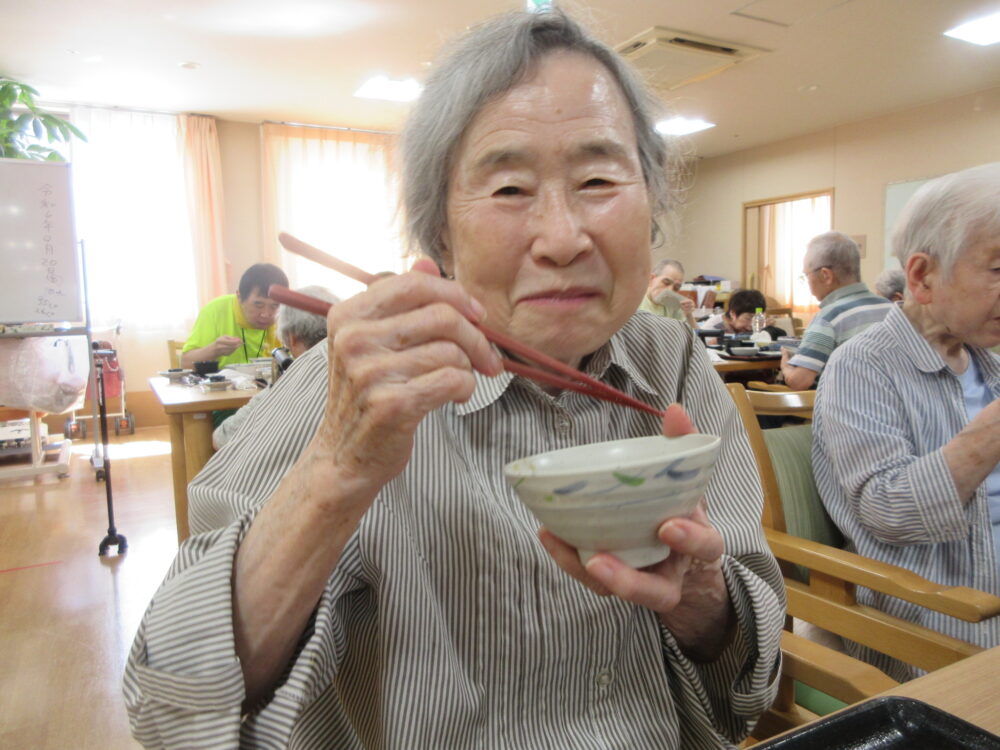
<point x="131" y="213"/>
<point x="786" y="229"/>
<point x="333" y="189"/>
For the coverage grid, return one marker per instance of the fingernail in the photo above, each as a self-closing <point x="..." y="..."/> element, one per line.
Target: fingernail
<point x="599" y="570"/>
<point x="477" y="308"/>
<point x="675" y="534"/>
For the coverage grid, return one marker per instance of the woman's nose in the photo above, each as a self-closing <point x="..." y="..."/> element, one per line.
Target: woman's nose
<point x="559" y="229"/>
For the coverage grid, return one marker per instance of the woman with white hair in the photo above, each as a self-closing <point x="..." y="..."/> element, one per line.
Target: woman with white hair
<point x="380" y="584"/>
<point x="906" y="444"/>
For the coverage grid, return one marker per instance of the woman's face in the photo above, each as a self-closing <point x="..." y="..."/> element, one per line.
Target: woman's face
<point x="967" y="301"/>
<point x="548" y="214"/>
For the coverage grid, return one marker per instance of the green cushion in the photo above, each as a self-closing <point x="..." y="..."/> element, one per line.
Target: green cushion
<point x="805" y="516"/>
<point x="815" y="700"/>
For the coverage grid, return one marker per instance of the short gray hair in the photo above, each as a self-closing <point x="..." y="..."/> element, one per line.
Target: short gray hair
<point x="838" y="252"/>
<point x="309" y="328"/>
<point x="667" y="262"/>
<point x="483" y="65"/>
<point x="891" y="281"/>
<point x="947" y="215"/>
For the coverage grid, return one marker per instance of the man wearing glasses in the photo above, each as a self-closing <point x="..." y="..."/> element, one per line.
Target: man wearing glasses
<point x="832" y="267"/>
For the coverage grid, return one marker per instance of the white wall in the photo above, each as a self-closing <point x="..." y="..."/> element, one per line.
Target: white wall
<point x="857" y="160"/>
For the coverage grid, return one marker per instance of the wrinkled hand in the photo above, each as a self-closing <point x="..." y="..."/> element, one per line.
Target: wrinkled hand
<point x="687" y="590"/>
<point x="396" y="352"/>
<point x="687" y="306"/>
<point x="227" y="345"/>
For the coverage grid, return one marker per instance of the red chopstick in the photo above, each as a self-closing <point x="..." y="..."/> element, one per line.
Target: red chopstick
<point x="574" y="380"/>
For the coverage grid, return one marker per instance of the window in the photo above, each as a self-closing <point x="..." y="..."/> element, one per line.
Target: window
<point x="132" y="215"/>
<point x="333" y="189"/>
<point x="775" y="235"/>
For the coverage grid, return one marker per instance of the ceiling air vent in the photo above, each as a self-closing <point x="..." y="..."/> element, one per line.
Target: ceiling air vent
<point x="670" y="59"/>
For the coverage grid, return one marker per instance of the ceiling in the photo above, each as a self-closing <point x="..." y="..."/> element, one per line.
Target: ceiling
<point x="829" y="61"/>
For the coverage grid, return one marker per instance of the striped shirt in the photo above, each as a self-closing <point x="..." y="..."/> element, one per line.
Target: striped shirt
<point x="886" y="406"/>
<point x="843" y="313"/>
<point x="445" y="623"/>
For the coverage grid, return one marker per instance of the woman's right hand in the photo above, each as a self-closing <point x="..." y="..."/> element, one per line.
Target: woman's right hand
<point x="399" y="350"/>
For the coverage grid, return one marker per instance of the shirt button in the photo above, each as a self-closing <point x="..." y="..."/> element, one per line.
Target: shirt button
<point x="563" y="424"/>
<point x="603" y="678"/>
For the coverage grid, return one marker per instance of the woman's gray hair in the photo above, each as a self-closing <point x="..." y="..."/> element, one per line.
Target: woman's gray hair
<point x="308" y="328"/>
<point x="947" y="215"/>
<point x="483" y="65"/>
<point x="890" y="282"/>
<point x="839" y="253"/>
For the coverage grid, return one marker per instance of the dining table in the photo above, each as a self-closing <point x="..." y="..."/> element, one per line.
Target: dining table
<point x="968" y="689"/>
<point x="189" y="411"/>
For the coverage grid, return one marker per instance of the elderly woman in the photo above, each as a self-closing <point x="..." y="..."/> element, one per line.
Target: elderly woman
<point x="380" y="584"/>
<point x="907" y="419"/>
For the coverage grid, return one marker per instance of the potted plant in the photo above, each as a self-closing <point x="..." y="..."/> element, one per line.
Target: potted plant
<point x="23" y="125"/>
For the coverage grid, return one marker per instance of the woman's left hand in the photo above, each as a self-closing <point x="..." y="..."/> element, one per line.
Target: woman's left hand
<point x="687" y="590"/>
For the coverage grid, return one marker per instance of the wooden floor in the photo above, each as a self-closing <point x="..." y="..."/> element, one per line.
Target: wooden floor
<point x="67" y="616"/>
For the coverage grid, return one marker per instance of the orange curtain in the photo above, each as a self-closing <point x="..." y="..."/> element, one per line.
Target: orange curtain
<point x="335" y="189"/>
<point x="199" y="145"/>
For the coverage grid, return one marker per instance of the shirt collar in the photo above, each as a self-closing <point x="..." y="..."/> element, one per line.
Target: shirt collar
<point x="612" y="354"/>
<point x="912" y="345"/>
<point x="844" y="291"/>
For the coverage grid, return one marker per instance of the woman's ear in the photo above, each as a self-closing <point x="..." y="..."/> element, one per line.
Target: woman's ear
<point x="920" y="268"/>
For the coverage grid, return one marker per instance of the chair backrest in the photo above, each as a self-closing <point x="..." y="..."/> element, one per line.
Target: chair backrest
<point x="174" y="348"/>
<point x="782" y="402"/>
<point x="784" y="459"/>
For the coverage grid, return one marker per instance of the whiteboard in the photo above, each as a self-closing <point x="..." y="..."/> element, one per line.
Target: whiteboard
<point x="896" y="196"/>
<point x="40" y="280"/>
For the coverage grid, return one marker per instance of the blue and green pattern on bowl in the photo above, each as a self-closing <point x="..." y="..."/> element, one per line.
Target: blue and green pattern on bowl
<point x="613" y="496"/>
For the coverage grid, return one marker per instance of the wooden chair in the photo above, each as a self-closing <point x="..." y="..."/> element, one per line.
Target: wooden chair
<point x="820" y="579"/>
<point x="174" y="348"/>
<point x="780" y="401"/>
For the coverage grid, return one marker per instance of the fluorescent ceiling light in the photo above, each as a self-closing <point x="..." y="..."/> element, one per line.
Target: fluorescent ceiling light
<point x="383" y="87"/>
<point x="982" y="31"/>
<point x="682" y="126"/>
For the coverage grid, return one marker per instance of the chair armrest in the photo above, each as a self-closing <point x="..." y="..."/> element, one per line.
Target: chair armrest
<point x="961" y="602"/>
<point x="835" y="673"/>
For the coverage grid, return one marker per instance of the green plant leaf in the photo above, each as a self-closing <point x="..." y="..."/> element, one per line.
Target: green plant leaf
<point x="36" y="126"/>
<point x="54" y="156"/>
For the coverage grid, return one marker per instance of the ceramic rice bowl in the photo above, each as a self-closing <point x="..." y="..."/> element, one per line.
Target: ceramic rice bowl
<point x="613" y="496"/>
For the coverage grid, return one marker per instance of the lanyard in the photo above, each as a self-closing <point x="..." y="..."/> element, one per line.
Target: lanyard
<point x="263" y="335"/>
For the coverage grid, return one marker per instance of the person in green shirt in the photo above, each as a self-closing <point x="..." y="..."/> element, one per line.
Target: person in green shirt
<point x="665" y="281"/>
<point x="236" y="328"/>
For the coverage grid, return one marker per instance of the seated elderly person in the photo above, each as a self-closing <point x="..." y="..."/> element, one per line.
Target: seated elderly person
<point x="380" y="584"/>
<point x="907" y="418"/>
<point x="300" y="331"/>
<point x="832" y="268"/>
<point x="663" y="295"/>
<point x="891" y="284"/>
<point x="738" y="317"/>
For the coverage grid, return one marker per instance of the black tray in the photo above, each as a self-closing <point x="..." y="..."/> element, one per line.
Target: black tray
<point x="891" y="723"/>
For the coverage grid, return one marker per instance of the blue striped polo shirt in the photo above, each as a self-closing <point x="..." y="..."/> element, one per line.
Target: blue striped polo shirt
<point x="843" y="313"/>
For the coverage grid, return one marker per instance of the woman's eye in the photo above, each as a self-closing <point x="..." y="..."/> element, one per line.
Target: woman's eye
<point x="508" y="190"/>
<point x="596" y="182"/>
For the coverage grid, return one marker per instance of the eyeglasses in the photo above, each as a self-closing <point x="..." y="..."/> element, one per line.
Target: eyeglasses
<point x="805" y="276"/>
